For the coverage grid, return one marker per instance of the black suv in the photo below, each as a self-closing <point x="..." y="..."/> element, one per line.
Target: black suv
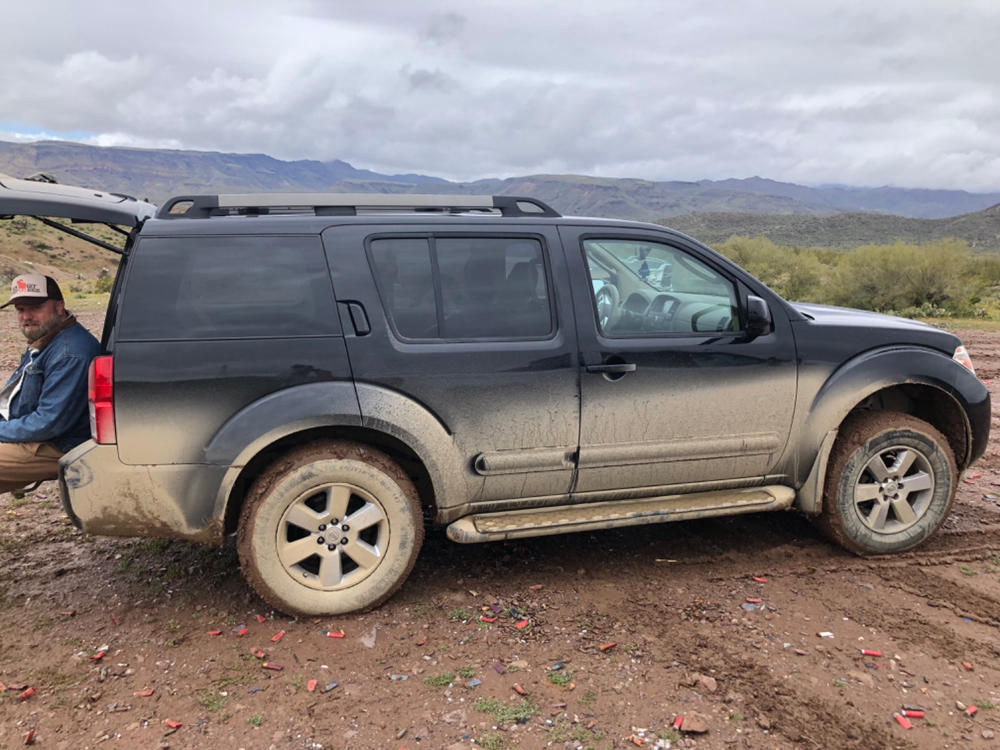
<point x="320" y="373"/>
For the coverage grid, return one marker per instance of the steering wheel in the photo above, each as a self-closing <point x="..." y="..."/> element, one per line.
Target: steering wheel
<point x="607" y="300"/>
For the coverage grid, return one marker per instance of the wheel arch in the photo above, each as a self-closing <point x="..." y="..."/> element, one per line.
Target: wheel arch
<point x="933" y="405"/>
<point x="396" y="449"/>
<point x="935" y="390"/>
<point x="369" y="415"/>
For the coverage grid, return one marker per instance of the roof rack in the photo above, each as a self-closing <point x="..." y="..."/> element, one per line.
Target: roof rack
<point x="347" y="204"/>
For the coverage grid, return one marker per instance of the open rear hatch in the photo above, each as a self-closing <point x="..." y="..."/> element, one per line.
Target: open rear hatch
<point x="45" y="200"/>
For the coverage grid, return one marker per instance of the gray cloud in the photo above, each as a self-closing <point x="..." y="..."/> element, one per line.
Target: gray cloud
<point x="895" y="92"/>
<point x="442" y="28"/>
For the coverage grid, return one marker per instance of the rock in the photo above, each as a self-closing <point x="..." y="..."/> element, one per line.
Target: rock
<point x="763" y="722"/>
<point x="988" y="734"/>
<point x="694" y="723"/>
<point x="707" y="683"/>
<point x="698" y="680"/>
<point x="959" y="705"/>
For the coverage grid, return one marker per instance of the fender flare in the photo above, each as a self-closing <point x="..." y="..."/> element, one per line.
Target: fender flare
<point x="281" y="413"/>
<point x="452" y="476"/>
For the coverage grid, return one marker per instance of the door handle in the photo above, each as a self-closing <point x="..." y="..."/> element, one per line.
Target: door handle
<point x="359" y="319"/>
<point x="615" y="368"/>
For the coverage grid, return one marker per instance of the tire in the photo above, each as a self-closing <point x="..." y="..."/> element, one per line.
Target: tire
<point x="890" y="483"/>
<point x="284" y="541"/>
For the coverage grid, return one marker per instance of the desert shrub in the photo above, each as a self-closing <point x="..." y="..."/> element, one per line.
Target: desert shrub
<point x="939" y="276"/>
<point x="793" y="273"/>
<point x="938" y="279"/>
<point x="17" y="225"/>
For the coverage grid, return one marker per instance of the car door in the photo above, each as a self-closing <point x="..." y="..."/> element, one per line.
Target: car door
<point x="472" y="322"/>
<point x="674" y="393"/>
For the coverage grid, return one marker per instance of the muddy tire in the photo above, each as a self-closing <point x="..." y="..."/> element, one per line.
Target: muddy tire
<point x="329" y="528"/>
<point x="890" y="482"/>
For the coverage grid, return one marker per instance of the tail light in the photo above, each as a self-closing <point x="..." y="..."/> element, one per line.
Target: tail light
<point x="100" y="394"/>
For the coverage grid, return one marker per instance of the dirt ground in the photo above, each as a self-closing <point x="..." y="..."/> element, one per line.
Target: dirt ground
<point x="751" y="628"/>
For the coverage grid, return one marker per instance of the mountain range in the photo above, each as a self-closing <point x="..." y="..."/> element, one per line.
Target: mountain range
<point x="979" y="229"/>
<point x="157" y="174"/>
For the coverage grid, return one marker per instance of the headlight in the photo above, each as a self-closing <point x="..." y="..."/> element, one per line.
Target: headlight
<point x="962" y="357"/>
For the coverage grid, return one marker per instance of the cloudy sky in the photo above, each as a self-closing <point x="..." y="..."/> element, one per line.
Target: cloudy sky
<point x="893" y="92"/>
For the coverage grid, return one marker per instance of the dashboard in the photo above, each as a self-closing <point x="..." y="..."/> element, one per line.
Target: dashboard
<point x="673" y="313"/>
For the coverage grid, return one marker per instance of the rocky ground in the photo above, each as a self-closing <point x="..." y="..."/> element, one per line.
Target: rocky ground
<point x="753" y="629"/>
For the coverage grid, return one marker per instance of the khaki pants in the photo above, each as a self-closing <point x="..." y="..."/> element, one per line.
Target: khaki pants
<point x="22" y="464"/>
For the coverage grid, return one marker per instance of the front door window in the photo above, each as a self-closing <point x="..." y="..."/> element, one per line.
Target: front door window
<point x="650" y="288"/>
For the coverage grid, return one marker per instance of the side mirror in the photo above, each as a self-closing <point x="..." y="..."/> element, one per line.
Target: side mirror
<point x="758" y="317"/>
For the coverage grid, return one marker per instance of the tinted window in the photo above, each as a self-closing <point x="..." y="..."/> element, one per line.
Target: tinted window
<point x="227" y="287"/>
<point x="405" y="280"/>
<point x="463" y="287"/>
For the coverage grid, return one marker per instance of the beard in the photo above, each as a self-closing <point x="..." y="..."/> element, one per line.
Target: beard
<point x="34" y="331"/>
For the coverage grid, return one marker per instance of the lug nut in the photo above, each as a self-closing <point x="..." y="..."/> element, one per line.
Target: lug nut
<point x="331" y="547"/>
<point x="345" y="527"/>
<point x="333" y="521"/>
<point x="321" y="540"/>
<point x="344" y="540"/>
<point x="322" y="527"/>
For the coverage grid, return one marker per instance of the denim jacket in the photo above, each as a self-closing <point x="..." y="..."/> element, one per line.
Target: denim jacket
<point x="51" y="405"/>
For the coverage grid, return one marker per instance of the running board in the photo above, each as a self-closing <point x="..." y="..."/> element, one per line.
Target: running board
<point x="562" y="519"/>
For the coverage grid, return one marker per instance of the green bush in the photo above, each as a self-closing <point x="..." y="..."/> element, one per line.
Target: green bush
<point x="901" y="276"/>
<point x="938" y="279"/>
<point x="794" y="274"/>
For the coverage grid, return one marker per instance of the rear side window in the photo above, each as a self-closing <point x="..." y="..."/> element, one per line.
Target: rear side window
<point x="463" y="287"/>
<point x="227" y="287"/>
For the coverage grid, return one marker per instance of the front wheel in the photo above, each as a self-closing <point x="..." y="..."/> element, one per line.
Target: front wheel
<point x="890" y="483"/>
<point x="330" y="528"/>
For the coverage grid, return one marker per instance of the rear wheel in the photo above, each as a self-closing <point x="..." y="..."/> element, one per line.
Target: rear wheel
<point x="330" y="528"/>
<point x="890" y="483"/>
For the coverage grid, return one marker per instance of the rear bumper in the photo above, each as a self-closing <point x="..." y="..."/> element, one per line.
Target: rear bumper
<point x="102" y="495"/>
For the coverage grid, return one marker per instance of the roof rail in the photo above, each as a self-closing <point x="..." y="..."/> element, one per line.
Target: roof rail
<point x="346" y="204"/>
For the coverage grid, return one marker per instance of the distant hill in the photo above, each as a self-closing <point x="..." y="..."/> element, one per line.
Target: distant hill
<point x="157" y="174"/>
<point x="980" y="229"/>
<point x="913" y="202"/>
